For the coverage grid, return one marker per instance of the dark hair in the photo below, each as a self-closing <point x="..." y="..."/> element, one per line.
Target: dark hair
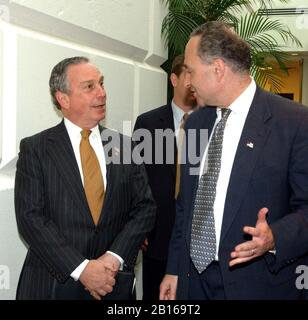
<point x="58" y="77"/>
<point x="218" y="40"/>
<point x="178" y="65"/>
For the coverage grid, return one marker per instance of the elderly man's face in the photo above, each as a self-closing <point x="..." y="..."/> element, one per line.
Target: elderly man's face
<point x="85" y="104"/>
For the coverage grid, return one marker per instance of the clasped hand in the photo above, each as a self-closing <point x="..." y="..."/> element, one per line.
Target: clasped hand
<point x="98" y="277"/>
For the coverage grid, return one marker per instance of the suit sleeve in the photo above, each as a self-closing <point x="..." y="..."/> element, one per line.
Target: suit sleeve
<point x="34" y="224"/>
<point x="291" y="232"/>
<point x="141" y="216"/>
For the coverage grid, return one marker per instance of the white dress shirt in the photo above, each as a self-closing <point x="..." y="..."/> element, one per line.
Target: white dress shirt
<point x="178" y="114"/>
<point x="232" y="134"/>
<point x="96" y="143"/>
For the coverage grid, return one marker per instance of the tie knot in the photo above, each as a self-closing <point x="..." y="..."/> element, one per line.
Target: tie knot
<point x="225" y="113"/>
<point x="185" y="116"/>
<point x="85" y="133"/>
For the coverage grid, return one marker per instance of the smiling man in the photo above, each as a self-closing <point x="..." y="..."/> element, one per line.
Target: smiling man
<point x="82" y="217"/>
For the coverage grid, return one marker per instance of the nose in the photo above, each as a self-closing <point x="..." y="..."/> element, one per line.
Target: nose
<point x="187" y="82"/>
<point x="100" y="92"/>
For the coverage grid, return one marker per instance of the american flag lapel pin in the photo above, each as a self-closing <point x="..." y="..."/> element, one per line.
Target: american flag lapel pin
<point x="249" y="144"/>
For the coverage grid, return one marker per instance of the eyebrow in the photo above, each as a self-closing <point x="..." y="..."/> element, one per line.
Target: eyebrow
<point x="101" y="79"/>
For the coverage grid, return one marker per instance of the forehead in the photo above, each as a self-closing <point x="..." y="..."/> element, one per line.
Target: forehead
<point x="83" y="72"/>
<point x="191" y="50"/>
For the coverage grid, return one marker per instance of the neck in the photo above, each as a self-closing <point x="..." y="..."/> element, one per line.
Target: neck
<point x="186" y="107"/>
<point x="235" y="88"/>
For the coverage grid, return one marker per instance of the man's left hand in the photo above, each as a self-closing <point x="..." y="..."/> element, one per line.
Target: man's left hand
<point x="262" y="241"/>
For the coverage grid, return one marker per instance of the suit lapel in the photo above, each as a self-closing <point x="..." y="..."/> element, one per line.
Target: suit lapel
<point x="205" y="119"/>
<point x="167" y="122"/>
<point x="61" y="152"/>
<point x="110" y="153"/>
<point x="255" y="132"/>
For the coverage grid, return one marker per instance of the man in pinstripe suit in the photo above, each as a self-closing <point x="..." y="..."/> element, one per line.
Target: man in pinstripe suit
<point x="52" y="211"/>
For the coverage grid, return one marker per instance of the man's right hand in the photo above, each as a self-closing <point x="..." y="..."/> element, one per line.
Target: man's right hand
<point x="98" y="278"/>
<point x="168" y="287"/>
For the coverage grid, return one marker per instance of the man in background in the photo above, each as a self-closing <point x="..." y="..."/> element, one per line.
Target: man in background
<point x="82" y="217"/>
<point x="164" y="177"/>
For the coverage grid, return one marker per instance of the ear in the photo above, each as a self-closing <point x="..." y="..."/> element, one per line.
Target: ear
<point x="174" y="79"/>
<point x="219" y="69"/>
<point x="63" y="99"/>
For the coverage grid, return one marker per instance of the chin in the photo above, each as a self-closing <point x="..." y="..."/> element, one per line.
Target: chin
<point x="200" y="102"/>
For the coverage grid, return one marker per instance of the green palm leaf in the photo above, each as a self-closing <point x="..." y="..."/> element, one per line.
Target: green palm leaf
<point x="266" y="37"/>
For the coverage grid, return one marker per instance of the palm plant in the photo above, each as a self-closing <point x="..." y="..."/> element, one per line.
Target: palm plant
<point x="263" y="34"/>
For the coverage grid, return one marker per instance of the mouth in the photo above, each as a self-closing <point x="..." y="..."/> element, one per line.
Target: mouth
<point x="99" y="106"/>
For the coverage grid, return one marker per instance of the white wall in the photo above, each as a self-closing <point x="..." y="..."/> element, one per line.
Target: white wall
<point x="298" y="23"/>
<point x="122" y="37"/>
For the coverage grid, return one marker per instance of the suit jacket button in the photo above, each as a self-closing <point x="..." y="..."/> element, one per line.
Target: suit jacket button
<point x="188" y="275"/>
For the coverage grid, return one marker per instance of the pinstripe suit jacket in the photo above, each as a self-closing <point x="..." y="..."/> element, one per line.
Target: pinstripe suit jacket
<point x="53" y="216"/>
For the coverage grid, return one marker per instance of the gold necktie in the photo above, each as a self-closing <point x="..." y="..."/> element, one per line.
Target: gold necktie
<point x="92" y="176"/>
<point x="179" y="153"/>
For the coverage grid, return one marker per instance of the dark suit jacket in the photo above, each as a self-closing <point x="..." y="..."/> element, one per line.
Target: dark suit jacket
<point x="161" y="180"/>
<point x="272" y="174"/>
<point x="54" y="219"/>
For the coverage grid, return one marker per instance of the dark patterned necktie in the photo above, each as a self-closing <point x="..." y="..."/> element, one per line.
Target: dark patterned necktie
<point x="203" y="237"/>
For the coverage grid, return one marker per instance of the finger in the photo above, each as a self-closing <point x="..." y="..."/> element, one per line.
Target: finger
<point x="95" y="295"/>
<point x="163" y="295"/>
<point x="252" y="231"/>
<point x="107" y="288"/>
<point x="172" y="293"/>
<point x="243" y="253"/>
<point x="245" y="246"/>
<point x="110" y="281"/>
<point x="146" y="241"/>
<point x="111" y="266"/>
<point x="111" y="274"/>
<point x="262" y="215"/>
<point x="102" y="292"/>
<point x="239" y="260"/>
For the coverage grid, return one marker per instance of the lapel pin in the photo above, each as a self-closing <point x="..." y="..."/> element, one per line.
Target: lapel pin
<point x="249" y="145"/>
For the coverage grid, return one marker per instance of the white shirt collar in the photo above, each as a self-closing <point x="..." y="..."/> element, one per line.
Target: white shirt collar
<point x="74" y="131"/>
<point x="241" y="105"/>
<point x="178" y="112"/>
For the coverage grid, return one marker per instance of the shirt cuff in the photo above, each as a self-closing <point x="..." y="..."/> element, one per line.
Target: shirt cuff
<point x="119" y="258"/>
<point x="77" y="272"/>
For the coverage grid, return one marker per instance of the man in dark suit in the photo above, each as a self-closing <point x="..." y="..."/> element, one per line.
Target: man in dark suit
<point x="55" y="198"/>
<point x="257" y="206"/>
<point x="162" y="178"/>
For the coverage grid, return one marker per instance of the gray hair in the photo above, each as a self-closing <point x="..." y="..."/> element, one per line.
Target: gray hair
<point x="58" y="78"/>
<point x="218" y="40"/>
